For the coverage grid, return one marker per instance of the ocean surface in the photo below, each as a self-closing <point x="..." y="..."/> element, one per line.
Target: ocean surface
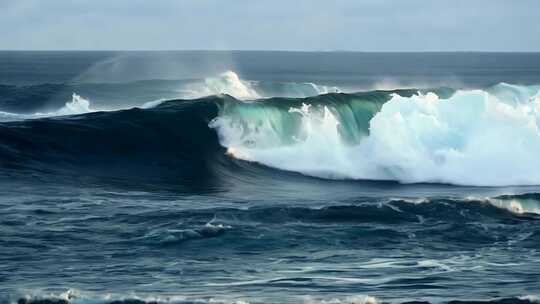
<point x="269" y="177"/>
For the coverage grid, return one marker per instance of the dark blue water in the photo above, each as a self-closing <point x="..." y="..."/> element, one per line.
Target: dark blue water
<point x="291" y="178"/>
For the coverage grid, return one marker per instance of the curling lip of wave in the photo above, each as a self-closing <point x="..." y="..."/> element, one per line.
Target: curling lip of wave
<point x="474" y="137"/>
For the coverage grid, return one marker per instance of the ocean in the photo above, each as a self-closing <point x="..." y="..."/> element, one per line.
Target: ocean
<point x="269" y="177"/>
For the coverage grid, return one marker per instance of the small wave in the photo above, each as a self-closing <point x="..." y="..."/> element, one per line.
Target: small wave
<point x="176" y="236"/>
<point x="520" y="204"/>
<point x="77" y="105"/>
<point x="393" y="211"/>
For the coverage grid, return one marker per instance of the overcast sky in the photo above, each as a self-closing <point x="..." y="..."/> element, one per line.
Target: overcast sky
<point x="358" y="25"/>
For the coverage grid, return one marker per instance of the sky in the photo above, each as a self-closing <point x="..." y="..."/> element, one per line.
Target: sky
<point x="300" y="25"/>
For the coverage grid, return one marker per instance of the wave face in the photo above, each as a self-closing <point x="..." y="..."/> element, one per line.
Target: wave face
<point x="419" y="138"/>
<point x="171" y="141"/>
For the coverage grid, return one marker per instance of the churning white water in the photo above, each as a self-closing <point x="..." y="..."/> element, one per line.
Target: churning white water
<point x="475" y="137"/>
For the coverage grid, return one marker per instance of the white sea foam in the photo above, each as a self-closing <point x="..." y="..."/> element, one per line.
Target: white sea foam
<point x="77" y="105"/>
<point x="227" y="83"/>
<point x="473" y="138"/>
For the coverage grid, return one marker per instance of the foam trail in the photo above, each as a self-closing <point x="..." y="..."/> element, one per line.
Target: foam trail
<point x="475" y="137"/>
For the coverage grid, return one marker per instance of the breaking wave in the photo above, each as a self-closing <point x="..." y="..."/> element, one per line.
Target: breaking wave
<point x="474" y="137"/>
<point x="487" y="137"/>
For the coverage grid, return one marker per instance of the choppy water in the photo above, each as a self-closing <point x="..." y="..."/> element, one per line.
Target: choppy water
<point x="267" y="177"/>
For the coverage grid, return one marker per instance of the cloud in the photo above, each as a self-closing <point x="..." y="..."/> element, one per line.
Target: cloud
<point x="369" y="25"/>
